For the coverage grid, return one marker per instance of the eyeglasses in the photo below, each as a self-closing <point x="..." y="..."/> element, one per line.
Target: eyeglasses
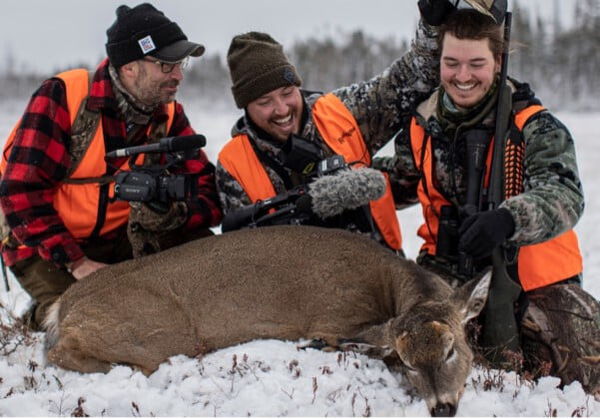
<point x="168" y="67"/>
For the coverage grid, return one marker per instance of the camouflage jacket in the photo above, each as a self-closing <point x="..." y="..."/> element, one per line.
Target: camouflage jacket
<point x="552" y="200"/>
<point x="380" y="106"/>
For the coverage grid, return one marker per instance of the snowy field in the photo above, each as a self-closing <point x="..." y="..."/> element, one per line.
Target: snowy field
<point x="273" y="378"/>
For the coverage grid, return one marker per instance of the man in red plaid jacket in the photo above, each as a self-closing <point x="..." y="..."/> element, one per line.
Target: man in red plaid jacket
<point x="63" y="228"/>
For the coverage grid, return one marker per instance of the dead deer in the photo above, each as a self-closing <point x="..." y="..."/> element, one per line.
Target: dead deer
<point x="284" y="282"/>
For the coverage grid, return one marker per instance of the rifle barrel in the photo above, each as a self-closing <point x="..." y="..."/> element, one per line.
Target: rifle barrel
<point x="503" y="110"/>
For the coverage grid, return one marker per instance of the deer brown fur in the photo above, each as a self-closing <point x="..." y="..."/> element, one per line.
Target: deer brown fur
<point x="283" y="282"/>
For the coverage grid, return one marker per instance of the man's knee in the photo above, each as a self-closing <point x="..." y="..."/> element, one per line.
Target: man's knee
<point x="561" y="326"/>
<point x="44" y="282"/>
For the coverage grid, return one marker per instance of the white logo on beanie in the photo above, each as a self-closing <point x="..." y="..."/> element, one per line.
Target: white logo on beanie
<point x="147" y="44"/>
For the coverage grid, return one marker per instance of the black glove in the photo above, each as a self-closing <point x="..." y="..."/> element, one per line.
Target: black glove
<point x="482" y="232"/>
<point x="434" y="12"/>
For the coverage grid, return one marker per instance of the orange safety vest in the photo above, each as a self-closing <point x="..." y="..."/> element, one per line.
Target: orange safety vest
<point x="77" y="203"/>
<point x="341" y="133"/>
<point x="538" y="265"/>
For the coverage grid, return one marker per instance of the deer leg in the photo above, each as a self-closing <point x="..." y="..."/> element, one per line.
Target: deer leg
<point x="374" y="341"/>
<point x="72" y="359"/>
<point x="377" y="335"/>
<point x="320" y="344"/>
<point x="353" y="345"/>
<point x="372" y="351"/>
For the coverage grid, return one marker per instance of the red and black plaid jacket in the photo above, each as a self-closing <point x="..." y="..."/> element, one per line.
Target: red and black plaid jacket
<point x="39" y="161"/>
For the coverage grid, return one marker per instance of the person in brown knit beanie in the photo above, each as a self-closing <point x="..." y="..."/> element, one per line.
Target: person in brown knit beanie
<point x="258" y="65"/>
<point x="286" y="131"/>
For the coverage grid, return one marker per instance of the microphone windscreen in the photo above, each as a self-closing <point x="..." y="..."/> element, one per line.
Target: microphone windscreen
<point x="344" y="190"/>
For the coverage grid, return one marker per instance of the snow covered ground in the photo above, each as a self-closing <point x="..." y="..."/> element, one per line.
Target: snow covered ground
<point x="273" y="378"/>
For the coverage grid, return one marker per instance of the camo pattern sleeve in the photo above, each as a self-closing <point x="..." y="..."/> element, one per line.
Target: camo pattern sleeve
<point x="403" y="173"/>
<point x="552" y="202"/>
<point x="382" y="105"/>
<point x="231" y="193"/>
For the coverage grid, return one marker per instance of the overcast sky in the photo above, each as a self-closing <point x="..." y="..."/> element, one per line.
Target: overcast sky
<point x="48" y="34"/>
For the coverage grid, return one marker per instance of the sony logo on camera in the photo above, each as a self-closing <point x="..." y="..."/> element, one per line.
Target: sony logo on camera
<point x="148" y="187"/>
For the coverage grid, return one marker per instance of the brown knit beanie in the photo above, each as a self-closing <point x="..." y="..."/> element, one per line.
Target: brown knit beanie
<point x="257" y="66"/>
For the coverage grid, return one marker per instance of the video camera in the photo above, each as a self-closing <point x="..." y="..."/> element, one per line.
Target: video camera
<point x="292" y="207"/>
<point x="308" y="159"/>
<point x="154" y="184"/>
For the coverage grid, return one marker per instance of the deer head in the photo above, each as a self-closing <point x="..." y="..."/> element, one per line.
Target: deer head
<point x="433" y="348"/>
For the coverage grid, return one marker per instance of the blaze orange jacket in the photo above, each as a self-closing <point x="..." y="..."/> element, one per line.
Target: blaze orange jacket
<point x="340" y="131"/>
<point x="539" y="264"/>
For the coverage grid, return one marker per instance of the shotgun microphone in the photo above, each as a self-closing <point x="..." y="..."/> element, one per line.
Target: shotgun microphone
<point x="325" y="197"/>
<point x="165" y="145"/>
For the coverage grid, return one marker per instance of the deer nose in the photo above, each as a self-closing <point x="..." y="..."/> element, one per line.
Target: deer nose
<point x="443" y="410"/>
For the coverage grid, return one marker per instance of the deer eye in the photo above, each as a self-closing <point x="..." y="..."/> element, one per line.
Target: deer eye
<point x="451" y="354"/>
<point x="410" y="370"/>
<point x="408" y="367"/>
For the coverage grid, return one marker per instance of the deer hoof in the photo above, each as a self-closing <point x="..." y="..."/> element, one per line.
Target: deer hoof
<point x="319" y="344"/>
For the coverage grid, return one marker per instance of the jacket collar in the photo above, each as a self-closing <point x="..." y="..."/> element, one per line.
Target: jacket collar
<point x="426" y="112"/>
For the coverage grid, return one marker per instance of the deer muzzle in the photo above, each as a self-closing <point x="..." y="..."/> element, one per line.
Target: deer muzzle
<point x="443" y="410"/>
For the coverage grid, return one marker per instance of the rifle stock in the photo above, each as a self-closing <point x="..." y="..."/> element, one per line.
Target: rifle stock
<point x="500" y="329"/>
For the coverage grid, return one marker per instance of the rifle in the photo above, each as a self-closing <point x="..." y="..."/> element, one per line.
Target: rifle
<point x="289" y="207"/>
<point x="500" y="330"/>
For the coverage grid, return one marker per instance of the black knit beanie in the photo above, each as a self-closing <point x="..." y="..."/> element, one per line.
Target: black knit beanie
<point x="144" y="30"/>
<point x="257" y="66"/>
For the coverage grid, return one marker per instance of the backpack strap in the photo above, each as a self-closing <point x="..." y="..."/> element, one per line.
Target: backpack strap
<point x="83" y="128"/>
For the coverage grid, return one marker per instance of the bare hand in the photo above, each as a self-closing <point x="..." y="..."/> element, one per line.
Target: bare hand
<point x="83" y="267"/>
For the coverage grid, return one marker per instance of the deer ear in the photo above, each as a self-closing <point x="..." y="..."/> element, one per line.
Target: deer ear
<point x="471" y="297"/>
<point x="402" y="348"/>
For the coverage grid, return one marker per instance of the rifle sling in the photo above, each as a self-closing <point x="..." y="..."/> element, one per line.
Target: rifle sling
<point x="272" y="163"/>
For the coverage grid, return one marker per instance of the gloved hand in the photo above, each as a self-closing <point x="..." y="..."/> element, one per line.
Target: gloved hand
<point x="151" y="220"/>
<point x="434" y="12"/>
<point x="384" y="164"/>
<point x="482" y="232"/>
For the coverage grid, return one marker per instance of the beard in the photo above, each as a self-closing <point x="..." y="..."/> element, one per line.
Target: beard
<point x="154" y="93"/>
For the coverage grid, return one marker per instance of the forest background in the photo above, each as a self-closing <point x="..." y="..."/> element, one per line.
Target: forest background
<point x="560" y="62"/>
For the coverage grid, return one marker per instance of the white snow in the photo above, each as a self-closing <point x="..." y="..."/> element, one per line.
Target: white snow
<point x="274" y="378"/>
